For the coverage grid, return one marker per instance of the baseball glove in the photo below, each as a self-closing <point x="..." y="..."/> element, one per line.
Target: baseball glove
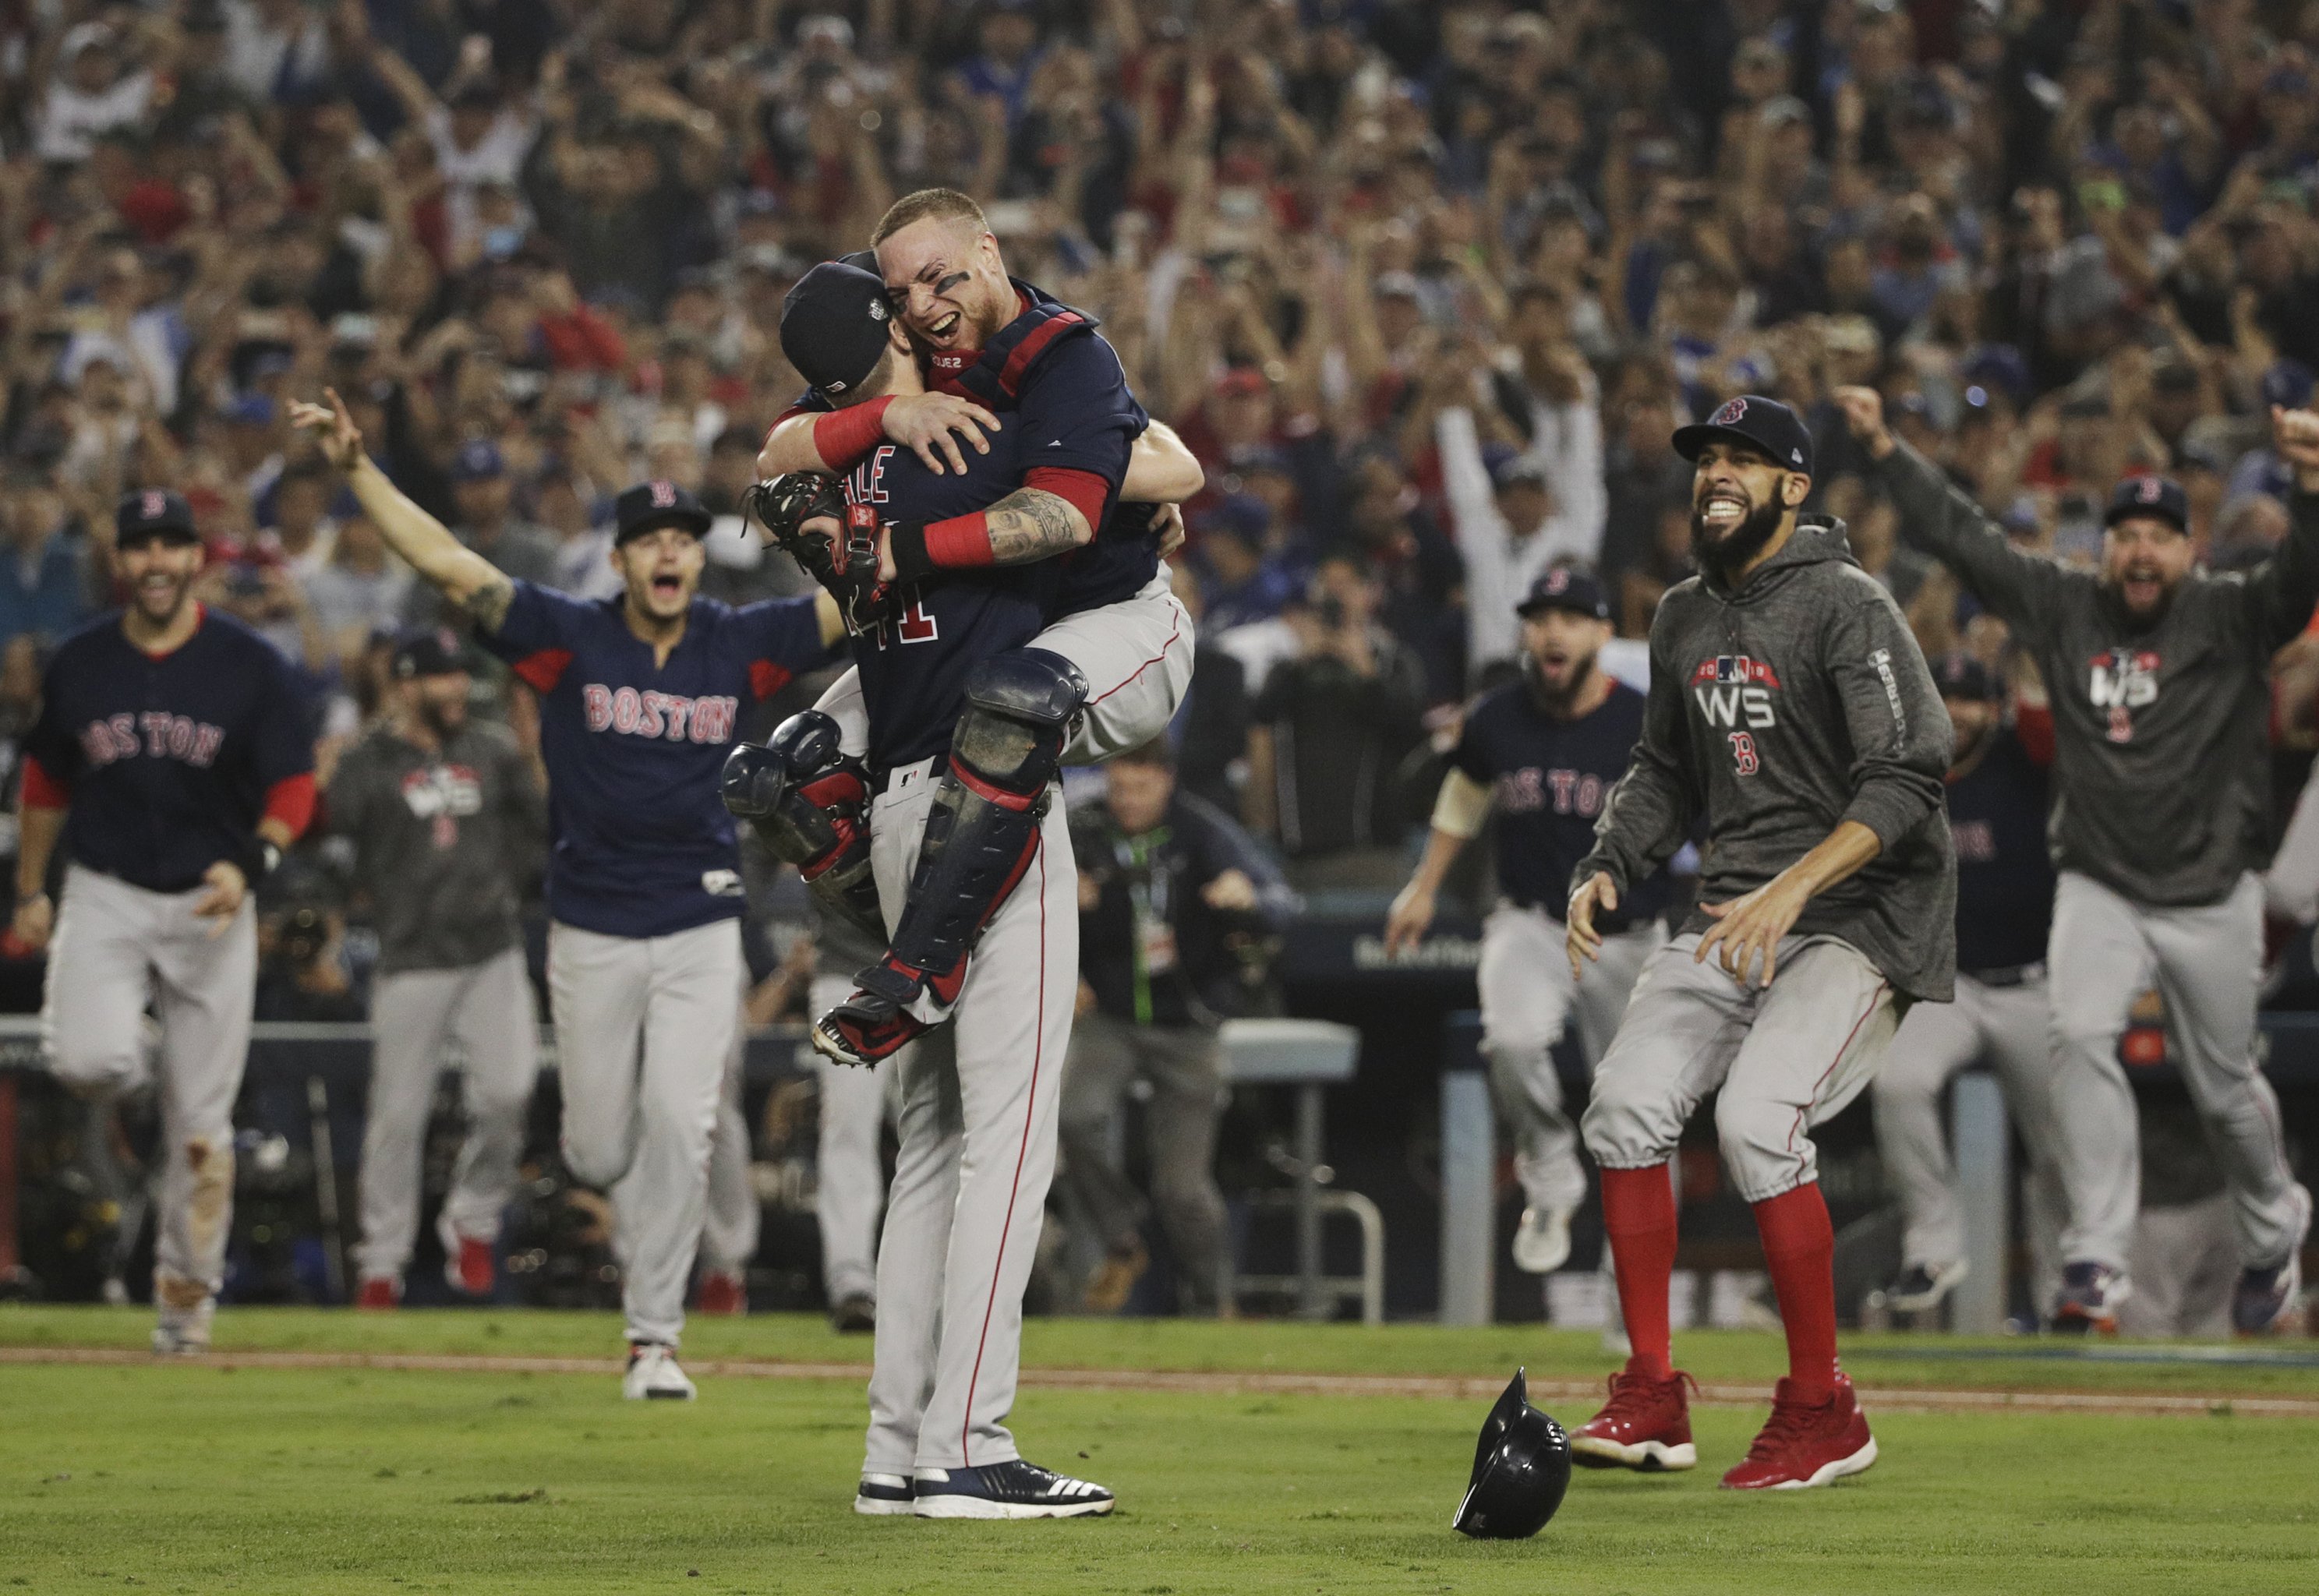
<point x="845" y="564"/>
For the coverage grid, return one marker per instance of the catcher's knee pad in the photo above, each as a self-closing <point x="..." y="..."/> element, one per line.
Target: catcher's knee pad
<point x="984" y="825"/>
<point x="811" y="804"/>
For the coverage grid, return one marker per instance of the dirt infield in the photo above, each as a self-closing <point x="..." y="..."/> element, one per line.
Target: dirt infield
<point x="1892" y="1400"/>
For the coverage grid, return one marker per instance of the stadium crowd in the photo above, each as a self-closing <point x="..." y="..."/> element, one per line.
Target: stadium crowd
<point x="1426" y="287"/>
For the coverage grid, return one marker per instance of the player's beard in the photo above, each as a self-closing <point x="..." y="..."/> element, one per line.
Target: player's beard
<point x="1724" y="558"/>
<point x="179" y="587"/>
<point x="1557" y="700"/>
<point x="443" y="717"/>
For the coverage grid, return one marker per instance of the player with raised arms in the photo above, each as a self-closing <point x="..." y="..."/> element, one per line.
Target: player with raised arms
<point x="640" y="697"/>
<point x="175" y="759"/>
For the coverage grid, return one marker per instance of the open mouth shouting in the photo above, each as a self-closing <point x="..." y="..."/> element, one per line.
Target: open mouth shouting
<point x="667" y="586"/>
<point x="1721" y="506"/>
<point x="2142" y="586"/>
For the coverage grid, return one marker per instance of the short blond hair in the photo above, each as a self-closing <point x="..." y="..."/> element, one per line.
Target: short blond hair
<point x="936" y="204"/>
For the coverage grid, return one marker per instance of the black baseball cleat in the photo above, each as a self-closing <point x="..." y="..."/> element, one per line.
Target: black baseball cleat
<point x="2265" y="1297"/>
<point x="2090" y="1295"/>
<point x="1922" y="1286"/>
<point x="1011" y="1490"/>
<point x="854" y="1314"/>
<point x="885" y="1496"/>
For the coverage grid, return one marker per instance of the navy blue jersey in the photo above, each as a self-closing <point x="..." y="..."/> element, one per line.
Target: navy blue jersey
<point x="914" y="666"/>
<point x="1547" y="779"/>
<point x="640" y="844"/>
<point x="168" y="759"/>
<point x="2005" y="870"/>
<point x="1050" y="367"/>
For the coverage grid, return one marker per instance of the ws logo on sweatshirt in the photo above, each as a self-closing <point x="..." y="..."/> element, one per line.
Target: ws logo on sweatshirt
<point x="1734" y="690"/>
<point x="2120" y="680"/>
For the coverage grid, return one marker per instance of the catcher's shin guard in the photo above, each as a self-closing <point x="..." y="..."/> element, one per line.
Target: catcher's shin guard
<point x="980" y="835"/>
<point x="811" y="804"/>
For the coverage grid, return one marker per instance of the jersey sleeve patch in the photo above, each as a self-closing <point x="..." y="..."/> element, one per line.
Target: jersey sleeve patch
<point x="544" y="668"/>
<point x="766" y="678"/>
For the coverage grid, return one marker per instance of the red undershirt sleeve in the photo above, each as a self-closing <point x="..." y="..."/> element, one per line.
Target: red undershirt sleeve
<point x="42" y="791"/>
<point x="290" y="801"/>
<point x="1084" y="490"/>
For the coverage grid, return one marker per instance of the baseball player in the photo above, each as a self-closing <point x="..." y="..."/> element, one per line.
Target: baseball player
<point x="445" y="817"/>
<point x="175" y="759"/>
<point x="639" y="700"/>
<point x="2005" y="903"/>
<point x="730" y="1215"/>
<point x="1790" y="705"/>
<point x="1541" y="751"/>
<point x="943" y="677"/>
<point x="1017" y="352"/>
<point x="850" y="1181"/>
<point x="2158" y="678"/>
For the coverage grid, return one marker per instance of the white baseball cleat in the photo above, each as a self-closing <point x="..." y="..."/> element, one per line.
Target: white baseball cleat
<point x="184" y="1332"/>
<point x="1542" y="1244"/>
<point x="654" y="1375"/>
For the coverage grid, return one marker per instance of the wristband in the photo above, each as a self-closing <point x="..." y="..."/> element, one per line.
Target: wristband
<point x="906" y="545"/>
<point x="842" y="437"/>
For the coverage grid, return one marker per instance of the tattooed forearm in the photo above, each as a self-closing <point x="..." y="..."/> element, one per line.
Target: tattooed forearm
<point x="1031" y="524"/>
<point x="489" y="603"/>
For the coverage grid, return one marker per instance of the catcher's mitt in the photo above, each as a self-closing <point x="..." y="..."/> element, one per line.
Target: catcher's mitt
<point x="846" y="565"/>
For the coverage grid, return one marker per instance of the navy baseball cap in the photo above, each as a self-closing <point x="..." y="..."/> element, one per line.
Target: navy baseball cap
<point x="1758" y="422"/>
<point x="834" y="325"/>
<point x="1961" y="676"/>
<point x="2159" y="496"/>
<point x="649" y="506"/>
<point x="477" y="460"/>
<point x="428" y="651"/>
<point x="1563" y="588"/>
<point x="153" y="512"/>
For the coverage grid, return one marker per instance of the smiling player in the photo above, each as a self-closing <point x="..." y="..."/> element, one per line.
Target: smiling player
<point x="640" y="696"/>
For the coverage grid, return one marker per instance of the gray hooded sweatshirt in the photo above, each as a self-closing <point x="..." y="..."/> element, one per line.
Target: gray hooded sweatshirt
<point x="2162" y="730"/>
<point x="1778" y="712"/>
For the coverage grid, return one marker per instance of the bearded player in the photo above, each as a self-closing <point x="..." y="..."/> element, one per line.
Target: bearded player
<point x="1790" y="706"/>
<point x="639" y="698"/>
<point x="175" y="759"/>
<point x="2159" y="675"/>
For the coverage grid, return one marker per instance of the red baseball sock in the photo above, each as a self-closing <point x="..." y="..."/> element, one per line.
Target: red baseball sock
<point x="1639" y="1213"/>
<point x="1800" y="1246"/>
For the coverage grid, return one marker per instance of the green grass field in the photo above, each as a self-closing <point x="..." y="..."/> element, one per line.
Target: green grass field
<point x="202" y="1478"/>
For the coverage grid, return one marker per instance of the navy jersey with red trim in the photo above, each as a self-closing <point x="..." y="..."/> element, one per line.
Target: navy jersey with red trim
<point x="640" y="844"/>
<point x="168" y="760"/>
<point x="914" y="667"/>
<point x="1547" y="779"/>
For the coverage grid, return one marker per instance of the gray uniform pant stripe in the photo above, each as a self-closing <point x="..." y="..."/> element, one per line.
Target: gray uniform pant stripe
<point x="2106" y="951"/>
<point x="1527" y="1000"/>
<point x="486" y="1011"/>
<point x="2006" y="1027"/>
<point x="118" y="948"/>
<point x="644" y="1027"/>
<point x="977" y="1121"/>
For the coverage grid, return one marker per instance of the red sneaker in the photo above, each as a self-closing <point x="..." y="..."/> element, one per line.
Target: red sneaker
<point x="473" y="1271"/>
<point x="1644" y="1425"/>
<point x="722" y="1294"/>
<point x="1806" y="1443"/>
<point x="379" y="1293"/>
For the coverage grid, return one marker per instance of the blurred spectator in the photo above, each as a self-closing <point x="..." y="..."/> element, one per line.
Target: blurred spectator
<point x="1175" y="905"/>
<point x="1333" y="725"/>
<point x="44" y="576"/>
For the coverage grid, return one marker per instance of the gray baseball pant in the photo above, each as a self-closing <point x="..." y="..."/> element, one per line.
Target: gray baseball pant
<point x="2105" y="951"/>
<point x="977" y="1124"/>
<point x="850" y="1179"/>
<point x="731" y="1218"/>
<point x="118" y="948"/>
<point x="1528" y="998"/>
<point x="2008" y="1027"/>
<point x="643" y="1027"/>
<point x="485" y="1010"/>
<point x="1185" y="1066"/>
<point x="1785" y="1058"/>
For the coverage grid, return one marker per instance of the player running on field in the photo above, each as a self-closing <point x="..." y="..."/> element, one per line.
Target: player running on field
<point x="944" y="674"/>
<point x="1020" y="354"/>
<point x="1790" y="706"/>
<point x="2005" y="903"/>
<point x="640" y="696"/>
<point x="2158" y="678"/>
<point x="1541" y="753"/>
<point x="174" y="759"/>
<point x="444" y="814"/>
